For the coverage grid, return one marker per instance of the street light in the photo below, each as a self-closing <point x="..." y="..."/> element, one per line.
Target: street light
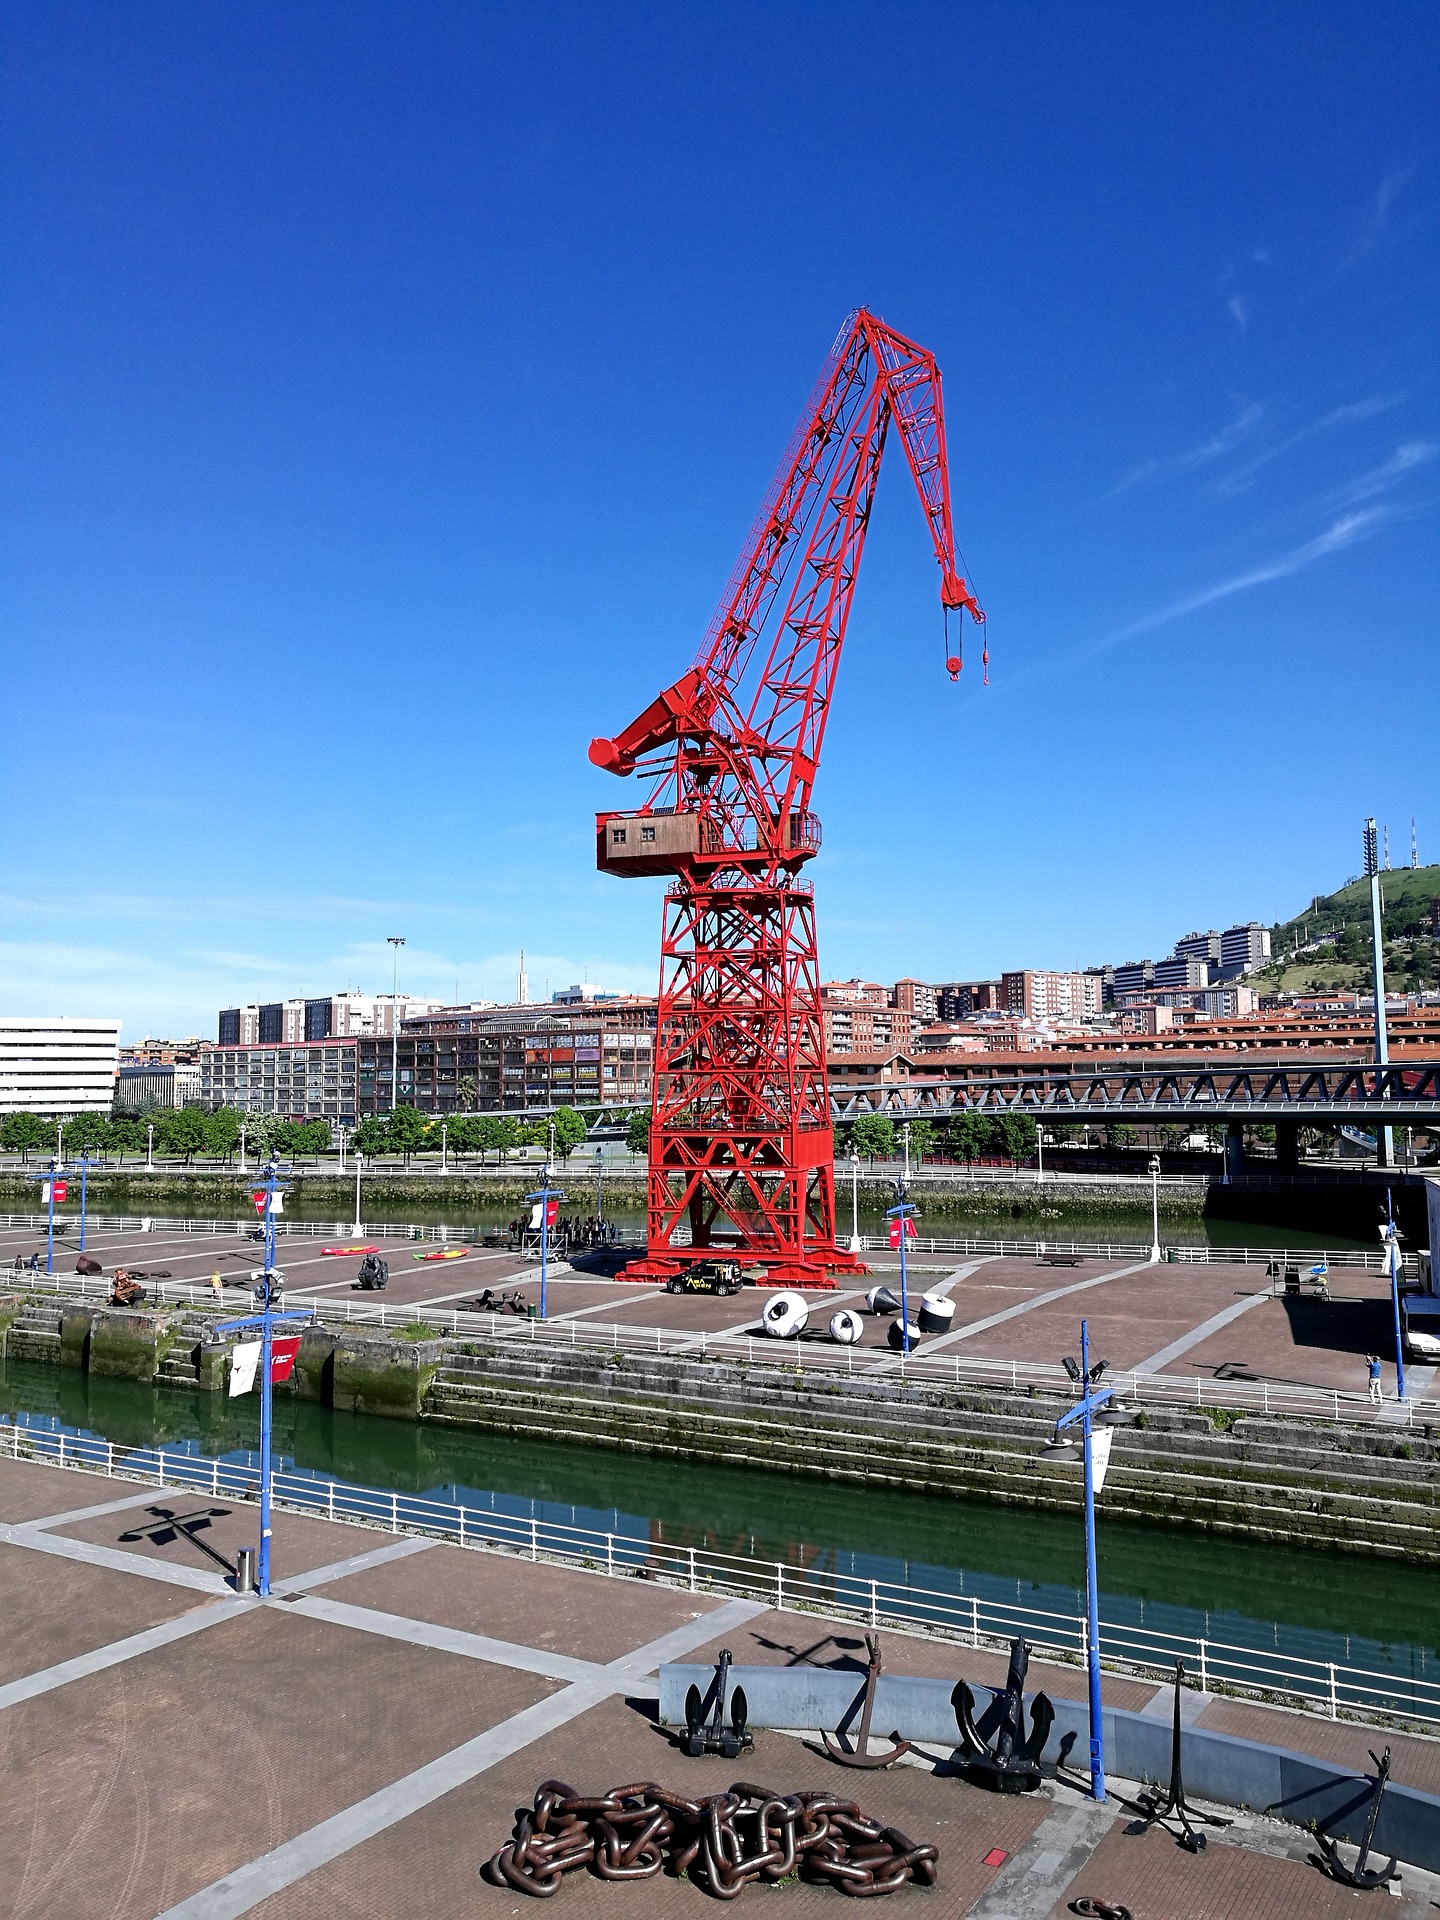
<point x="242" y="1148"/>
<point x="905" y="1139"/>
<point x="1095" y="1450"/>
<point x="444" y="1144"/>
<point x="547" y="1196"/>
<point x="149" y="1147"/>
<point x="902" y="1214"/>
<point x="1392" y="1252"/>
<point x="854" y="1201"/>
<point x="359" y="1158"/>
<point x="1154" y="1208"/>
<point x="396" y="940"/>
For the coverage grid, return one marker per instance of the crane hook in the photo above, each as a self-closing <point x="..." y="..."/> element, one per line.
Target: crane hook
<point x="953" y="662"/>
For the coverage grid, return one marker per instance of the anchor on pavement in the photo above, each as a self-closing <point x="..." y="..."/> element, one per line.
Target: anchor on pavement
<point x="1173" y="1806"/>
<point x="1360" y="1876"/>
<point x="714" y="1736"/>
<point x="859" y="1754"/>
<point x="1012" y="1765"/>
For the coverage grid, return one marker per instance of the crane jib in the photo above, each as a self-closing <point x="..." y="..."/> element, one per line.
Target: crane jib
<point x="740" y="1143"/>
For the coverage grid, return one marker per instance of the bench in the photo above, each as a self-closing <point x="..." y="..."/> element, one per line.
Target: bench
<point x="1061" y="1259"/>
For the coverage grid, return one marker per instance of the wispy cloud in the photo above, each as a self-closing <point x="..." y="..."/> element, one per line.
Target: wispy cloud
<point x="1239" y="478"/>
<point x="1348" y="531"/>
<point x="1376" y="224"/>
<point x="1239" y="309"/>
<point x="1214" y="447"/>
<point x="1409" y="455"/>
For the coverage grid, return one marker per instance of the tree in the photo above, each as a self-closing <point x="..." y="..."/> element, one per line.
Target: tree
<point x="370" y="1136"/>
<point x="495" y="1133"/>
<point x="311" y="1136"/>
<point x="1016" y="1135"/>
<point x="465" y="1133"/>
<point x="87" y="1133"/>
<point x="265" y="1134"/>
<point x="182" y="1130"/>
<point x="24" y="1133"/>
<point x="405" y="1131"/>
<point x="1119" y="1134"/>
<point x="222" y="1133"/>
<point x="922" y="1140"/>
<point x="570" y="1130"/>
<point x="637" y="1134"/>
<point x="127" y="1135"/>
<point x="873" y="1136"/>
<point x="465" y="1092"/>
<point x="968" y="1135"/>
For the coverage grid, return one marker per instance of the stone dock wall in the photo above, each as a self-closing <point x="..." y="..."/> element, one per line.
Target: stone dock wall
<point x="1357" y="1488"/>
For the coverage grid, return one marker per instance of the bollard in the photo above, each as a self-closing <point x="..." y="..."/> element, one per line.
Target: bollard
<point x="245" y="1570"/>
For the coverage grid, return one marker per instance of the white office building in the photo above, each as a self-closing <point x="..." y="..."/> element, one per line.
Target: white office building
<point x="57" y="1067"/>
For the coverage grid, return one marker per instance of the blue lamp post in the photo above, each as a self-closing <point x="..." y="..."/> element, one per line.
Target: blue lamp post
<point x="266" y="1320"/>
<point x="1087" y="1410"/>
<point x="84" y="1170"/>
<point x="545" y="1195"/>
<point x="1392" y="1248"/>
<point x="904" y="1213"/>
<point x="48" y="1195"/>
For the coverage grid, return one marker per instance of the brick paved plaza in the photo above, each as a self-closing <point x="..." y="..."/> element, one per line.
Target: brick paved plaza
<point x="357" y="1745"/>
<point x="1215" y="1321"/>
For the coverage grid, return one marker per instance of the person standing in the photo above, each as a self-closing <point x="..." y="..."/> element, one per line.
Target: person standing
<point x="215" y="1288"/>
<point x="1374" y="1360"/>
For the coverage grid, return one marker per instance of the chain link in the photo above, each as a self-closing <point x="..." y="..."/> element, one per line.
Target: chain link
<point x="724" y="1841"/>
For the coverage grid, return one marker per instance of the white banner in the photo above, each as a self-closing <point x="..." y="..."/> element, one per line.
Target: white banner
<point x="535" y="1216"/>
<point x="1100" y="1438"/>
<point x="244" y="1365"/>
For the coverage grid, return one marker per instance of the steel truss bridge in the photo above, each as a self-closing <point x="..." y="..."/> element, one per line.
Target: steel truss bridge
<point x="1406" y="1095"/>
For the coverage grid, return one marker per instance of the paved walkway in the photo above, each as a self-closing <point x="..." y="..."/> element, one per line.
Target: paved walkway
<point x="356" y="1745"/>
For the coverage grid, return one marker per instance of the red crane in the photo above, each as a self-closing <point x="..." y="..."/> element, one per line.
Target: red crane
<point x="740" y="1144"/>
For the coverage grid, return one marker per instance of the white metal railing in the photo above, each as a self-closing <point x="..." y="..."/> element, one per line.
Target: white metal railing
<point x="791" y="1357"/>
<point x="1330" y="1688"/>
<point x="1360" y="1257"/>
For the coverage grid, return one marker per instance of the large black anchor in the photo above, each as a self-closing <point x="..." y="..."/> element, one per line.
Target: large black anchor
<point x="1361" y="1876"/>
<point x="1012" y="1765"/>
<point x="858" y="1754"/>
<point x="1173" y="1806"/>
<point x="714" y="1736"/>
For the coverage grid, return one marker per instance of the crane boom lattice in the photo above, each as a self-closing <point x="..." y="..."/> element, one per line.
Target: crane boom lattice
<point x="740" y="1144"/>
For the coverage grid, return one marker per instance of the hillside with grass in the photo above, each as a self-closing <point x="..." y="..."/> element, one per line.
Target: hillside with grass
<point x="1328" y="945"/>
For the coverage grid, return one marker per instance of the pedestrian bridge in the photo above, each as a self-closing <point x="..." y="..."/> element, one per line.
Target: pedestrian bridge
<point x="1406" y="1095"/>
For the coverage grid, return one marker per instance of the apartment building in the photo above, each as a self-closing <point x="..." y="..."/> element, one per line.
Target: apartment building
<point x="1181" y="970"/>
<point x="914" y="997"/>
<point x="1244" y="949"/>
<point x="517" y="1058"/>
<point x="304" y="1080"/>
<point x="1034" y="994"/>
<point x="59" y="1066"/>
<point x="336" y="1016"/>
<point x="959" y="999"/>
<point x="859" y="1019"/>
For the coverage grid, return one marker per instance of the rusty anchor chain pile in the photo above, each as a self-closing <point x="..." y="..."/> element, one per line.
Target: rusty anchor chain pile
<point x="724" y="1841"/>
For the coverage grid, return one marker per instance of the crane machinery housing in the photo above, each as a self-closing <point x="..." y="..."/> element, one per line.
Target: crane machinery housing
<point x="741" y="1153"/>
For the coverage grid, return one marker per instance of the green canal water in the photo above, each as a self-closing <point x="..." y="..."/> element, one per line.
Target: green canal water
<point x="1375" y="1614"/>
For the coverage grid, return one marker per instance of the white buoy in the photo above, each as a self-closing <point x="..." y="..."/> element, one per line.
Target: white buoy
<point x="882" y="1300"/>
<point x="936" y="1313"/>
<point x="892" y="1333"/>
<point x="785" y="1316"/>
<point x="846" y="1327"/>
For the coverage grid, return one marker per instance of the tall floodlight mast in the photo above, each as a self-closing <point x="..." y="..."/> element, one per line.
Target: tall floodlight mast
<point x="741" y="1160"/>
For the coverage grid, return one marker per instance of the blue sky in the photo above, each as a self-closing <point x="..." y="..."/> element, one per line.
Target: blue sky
<point x="387" y="391"/>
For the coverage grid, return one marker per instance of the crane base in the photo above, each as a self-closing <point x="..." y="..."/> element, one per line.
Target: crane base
<point x="822" y="1275"/>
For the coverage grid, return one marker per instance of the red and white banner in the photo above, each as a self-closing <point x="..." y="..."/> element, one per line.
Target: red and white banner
<point x="552" y="1210"/>
<point x="244" y="1365"/>
<point x="52" y="1189"/>
<point x="277" y="1204"/>
<point x="259" y="1200"/>
<point x="910" y="1233"/>
<point x="282" y="1357"/>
